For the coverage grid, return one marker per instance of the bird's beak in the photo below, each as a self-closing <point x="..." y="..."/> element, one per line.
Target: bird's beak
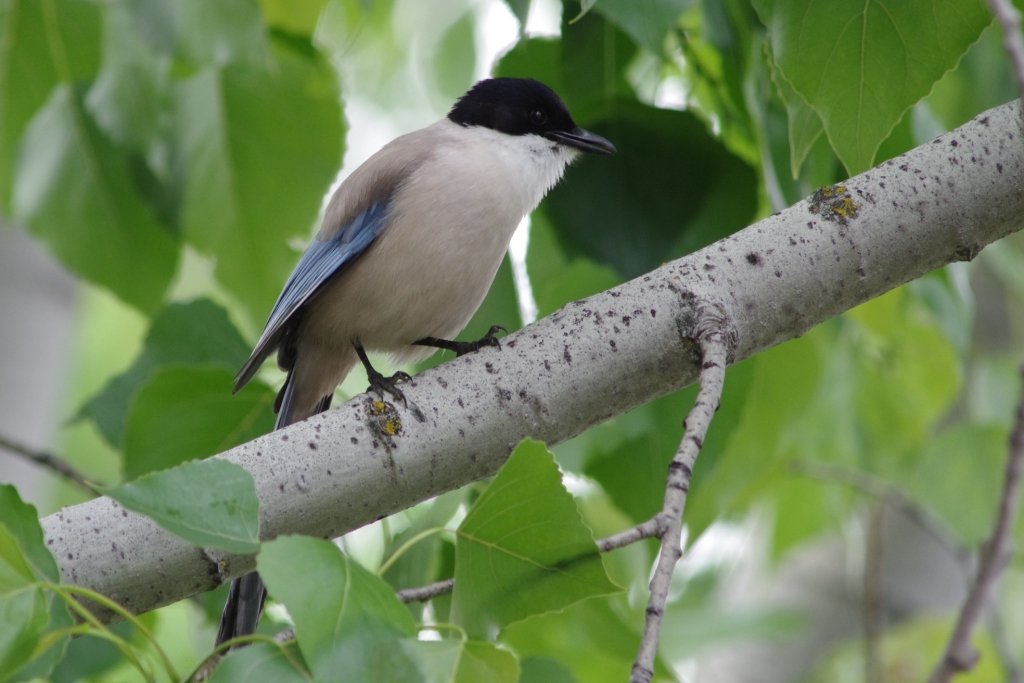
<point x="583" y="140"/>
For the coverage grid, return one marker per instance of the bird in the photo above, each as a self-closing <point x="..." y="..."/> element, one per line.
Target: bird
<point x="409" y="245"/>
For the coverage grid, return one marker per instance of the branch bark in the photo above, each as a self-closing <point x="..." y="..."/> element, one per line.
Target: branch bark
<point x="584" y="364"/>
<point x="47" y="460"/>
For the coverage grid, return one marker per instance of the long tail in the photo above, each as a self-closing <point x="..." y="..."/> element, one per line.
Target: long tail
<point x="244" y="605"/>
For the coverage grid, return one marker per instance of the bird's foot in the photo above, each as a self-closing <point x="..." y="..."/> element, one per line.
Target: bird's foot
<point x="381" y="384"/>
<point x="460" y="347"/>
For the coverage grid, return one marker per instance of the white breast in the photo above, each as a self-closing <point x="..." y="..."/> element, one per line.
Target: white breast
<point x="430" y="269"/>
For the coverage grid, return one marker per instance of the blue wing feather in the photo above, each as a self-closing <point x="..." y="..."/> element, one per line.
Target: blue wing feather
<point x="320" y="262"/>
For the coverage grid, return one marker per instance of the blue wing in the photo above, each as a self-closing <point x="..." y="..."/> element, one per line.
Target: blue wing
<point x="321" y="261"/>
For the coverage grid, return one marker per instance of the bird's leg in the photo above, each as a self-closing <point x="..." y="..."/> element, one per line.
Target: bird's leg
<point x="379" y="382"/>
<point x="460" y="347"/>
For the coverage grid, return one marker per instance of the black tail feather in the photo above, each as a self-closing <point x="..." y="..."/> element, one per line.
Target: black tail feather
<point x="244" y="605"/>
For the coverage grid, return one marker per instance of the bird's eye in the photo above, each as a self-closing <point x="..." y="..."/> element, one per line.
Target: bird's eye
<point x="538" y="117"/>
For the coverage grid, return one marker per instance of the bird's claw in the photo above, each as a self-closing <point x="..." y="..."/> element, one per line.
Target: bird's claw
<point x="487" y="340"/>
<point x="381" y="384"/>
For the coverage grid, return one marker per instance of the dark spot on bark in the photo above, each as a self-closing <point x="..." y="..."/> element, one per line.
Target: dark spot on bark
<point x="547" y="366"/>
<point x="284" y="437"/>
<point x="626" y="319"/>
<point x="654" y="313"/>
<point x="566" y="355"/>
<point x="954" y="143"/>
<point x="280" y="487"/>
<point x="312" y="446"/>
<point x="354" y="440"/>
<point x="612" y="343"/>
<point x="444" y="385"/>
<point x="999" y="167"/>
<point x="490" y="369"/>
<point x="754" y="259"/>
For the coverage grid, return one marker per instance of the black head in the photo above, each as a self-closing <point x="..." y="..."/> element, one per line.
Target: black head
<point x="523" y="106"/>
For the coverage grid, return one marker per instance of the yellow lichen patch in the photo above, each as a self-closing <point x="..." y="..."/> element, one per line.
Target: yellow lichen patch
<point x="833" y="203"/>
<point x="384" y="419"/>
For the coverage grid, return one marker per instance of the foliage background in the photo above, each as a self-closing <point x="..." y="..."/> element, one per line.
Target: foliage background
<point x="174" y="154"/>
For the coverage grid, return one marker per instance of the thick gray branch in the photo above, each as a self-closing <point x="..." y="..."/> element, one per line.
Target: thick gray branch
<point x="584" y="364"/>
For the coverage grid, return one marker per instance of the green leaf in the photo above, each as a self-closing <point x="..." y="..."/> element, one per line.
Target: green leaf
<point x="348" y="622"/>
<point x="596" y="640"/>
<point x="646" y="21"/>
<point x="222" y="32"/>
<point x="523" y="548"/>
<point x="22" y="524"/>
<point x="298" y="17"/>
<point x="193" y="333"/>
<point x="74" y="191"/>
<point x="27" y="71"/>
<point x="455" y="59"/>
<point x="243" y="201"/>
<point x="184" y="413"/>
<point x="26" y="613"/>
<point x="209" y="503"/>
<point x="805" y="126"/>
<point x="130" y="98"/>
<point x="653" y="184"/>
<point x="544" y="670"/>
<point x="861" y="65"/>
<point x="454" y="661"/>
<point x="261" y="663"/>
<point x="959" y="477"/>
<point x="521" y="9"/>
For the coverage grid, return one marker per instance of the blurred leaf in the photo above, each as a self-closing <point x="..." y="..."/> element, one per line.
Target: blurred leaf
<point x="646" y="21"/>
<point x="261" y="663"/>
<point x="222" y="32"/>
<point x="74" y="191"/>
<point x="554" y="279"/>
<point x="959" y="477"/>
<point x="26" y="613"/>
<point x="691" y="631"/>
<point x="983" y="79"/>
<point x="422" y="563"/>
<point x="590" y="638"/>
<point x="909" y="651"/>
<point x="193" y="333"/>
<point x="862" y="65"/>
<point x="88" y="657"/>
<point x="633" y="472"/>
<point x="298" y="17"/>
<point x="348" y="622"/>
<point x="568" y="65"/>
<point x="521" y="9"/>
<point x="805" y="126"/>
<point x="130" y="98"/>
<point x="455" y="59"/>
<point x="544" y="670"/>
<point x="523" y="548"/>
<point x="27" y="72"/>
<point x="209" y="503"/>
<point x="185" y="413"/>
<point x="671" y="182"/>
<point x="454" y="661"/>
<point x="243" y="201"/>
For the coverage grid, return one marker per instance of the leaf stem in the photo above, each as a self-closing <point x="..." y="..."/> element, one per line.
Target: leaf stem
<point x="405" y="546"/>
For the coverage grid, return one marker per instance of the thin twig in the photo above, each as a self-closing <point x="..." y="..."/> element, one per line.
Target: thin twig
<point x="714" y="352"/>
<point x="960" y="655"/>
<point x="47" y="460"/>
<point x="424" y="593"/>
<point x="649" y="529"/>
<point x="1009" y="21"/>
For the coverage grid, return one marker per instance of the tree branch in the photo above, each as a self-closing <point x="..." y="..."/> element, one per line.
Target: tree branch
<point x="1009" y="21"/>
<point x="960" y="655"/>
<point x="582" y="365"/>
<point x="51" y="462"/>
<point x="713" y="340"/>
